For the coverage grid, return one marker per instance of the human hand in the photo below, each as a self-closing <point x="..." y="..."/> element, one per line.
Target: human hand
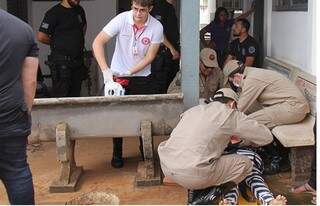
<point x="235" y="139"/>
<point x="175" y="54"/>
<point x="107" y="75"/>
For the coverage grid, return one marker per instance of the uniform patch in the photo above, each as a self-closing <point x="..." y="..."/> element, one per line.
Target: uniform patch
<point x="45" y="25"/>
<point x="252" y="49"/>
<point x="146" y="41"/>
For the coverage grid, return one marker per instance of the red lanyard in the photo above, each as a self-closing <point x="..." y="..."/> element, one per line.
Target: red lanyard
<point x="136" y="30"/>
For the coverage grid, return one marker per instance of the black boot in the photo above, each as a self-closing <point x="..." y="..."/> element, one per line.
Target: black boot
<point x="208" y="196"/>
<point x="117" y="161"/>
<point x="278" y="160"/>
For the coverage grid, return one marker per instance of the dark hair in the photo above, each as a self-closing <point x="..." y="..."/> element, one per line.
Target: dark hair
<point x="240" y="69"/>
<point x="144" y="3"/>
<point x="245" y="23"/>
<point x="218" y="11"/>
<point x="222" y="99"/>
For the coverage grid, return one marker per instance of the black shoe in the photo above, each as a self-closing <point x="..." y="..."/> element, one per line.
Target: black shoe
<point x="117" y="162"/>
<point x="209" y="196"/>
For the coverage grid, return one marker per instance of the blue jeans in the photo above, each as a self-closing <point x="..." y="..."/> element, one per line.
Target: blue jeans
<point x="15" y="172"/>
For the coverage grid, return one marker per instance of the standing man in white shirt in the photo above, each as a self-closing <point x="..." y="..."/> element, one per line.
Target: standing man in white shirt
<point x="138" y="38"/>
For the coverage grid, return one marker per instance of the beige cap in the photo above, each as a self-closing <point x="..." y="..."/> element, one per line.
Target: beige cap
<point x="227" y="92"/>
<point x="231" y="66"/>
<point x="209" y="57"/>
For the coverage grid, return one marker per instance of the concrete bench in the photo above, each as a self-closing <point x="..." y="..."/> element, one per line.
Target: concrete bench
<point x="298" y="137"/>
<point x="66" y="120"/>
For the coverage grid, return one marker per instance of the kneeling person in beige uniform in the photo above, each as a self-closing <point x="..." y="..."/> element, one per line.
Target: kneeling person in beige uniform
<point x="281" y="101"/>
<point x="210" y="75"/>
<point x="192" y="157"/>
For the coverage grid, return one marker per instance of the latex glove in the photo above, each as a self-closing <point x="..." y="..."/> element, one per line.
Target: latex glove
<point x="107" y="75"/>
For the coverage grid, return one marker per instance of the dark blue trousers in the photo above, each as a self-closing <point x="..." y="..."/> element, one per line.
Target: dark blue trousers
<point x="15" y="172"/>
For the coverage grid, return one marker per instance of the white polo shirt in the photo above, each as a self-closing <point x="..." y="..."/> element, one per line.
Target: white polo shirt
<point x="126" y="54"/>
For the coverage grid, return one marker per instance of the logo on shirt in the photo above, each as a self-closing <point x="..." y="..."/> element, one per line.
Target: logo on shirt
<point x="252" y="49"/>
<point x="45" y="25"/>
<point x="146" y="41"/>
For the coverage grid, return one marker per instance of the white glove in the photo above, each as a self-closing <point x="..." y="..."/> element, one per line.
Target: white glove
<point x="107" y="75"/>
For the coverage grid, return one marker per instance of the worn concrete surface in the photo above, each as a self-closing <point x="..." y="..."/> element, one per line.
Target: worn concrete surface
<point x="94" y="156"/>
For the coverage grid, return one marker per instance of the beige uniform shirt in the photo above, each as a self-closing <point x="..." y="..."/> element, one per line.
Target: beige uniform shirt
<point x="202" y="135"/>
<point x="208" y="85"/>
<point x="269" y="88"/>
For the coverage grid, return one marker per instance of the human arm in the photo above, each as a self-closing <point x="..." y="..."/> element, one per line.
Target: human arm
<point x="248" y="13"/>
<point x="43" y="38"/>
<point x="149" y="57"/>
<point x="251" y="91"/>
<point x="173" y="51"/>
<point x="47" y="27"/>
<point x="248" y="130"/>
<point x="29" y="80"/>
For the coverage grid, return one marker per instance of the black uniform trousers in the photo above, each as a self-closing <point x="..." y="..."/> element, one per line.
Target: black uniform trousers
<point x="164" y="70"/>
<point x="137" y="86"/>
<point x="67" y="75"/>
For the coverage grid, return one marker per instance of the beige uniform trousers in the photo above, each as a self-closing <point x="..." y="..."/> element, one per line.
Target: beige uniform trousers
<point x="228" y="168"/>
<point x="279" y="114"/>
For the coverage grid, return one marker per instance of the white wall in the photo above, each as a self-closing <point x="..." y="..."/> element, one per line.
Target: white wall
<point x="3" y="4"/>
<point x="98" y="13"/>
<point x="289" y="36"/>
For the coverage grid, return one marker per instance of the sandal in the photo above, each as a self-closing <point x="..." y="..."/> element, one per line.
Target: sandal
<point x="305" y="188"/>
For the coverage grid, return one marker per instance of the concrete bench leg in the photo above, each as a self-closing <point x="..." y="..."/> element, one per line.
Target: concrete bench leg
<point x="147" y="174"/>
<point x="301" y="158"/>
<point x="69" y="172"/>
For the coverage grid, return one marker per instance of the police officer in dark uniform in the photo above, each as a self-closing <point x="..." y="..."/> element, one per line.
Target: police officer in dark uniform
<point x="245" y="48"/>
<point x="166" y="64"/>
<point x="63" y="28"/>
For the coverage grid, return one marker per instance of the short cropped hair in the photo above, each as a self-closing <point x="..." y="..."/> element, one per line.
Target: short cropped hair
<point x="144" y="3"/>
<point x="245" y="23"/>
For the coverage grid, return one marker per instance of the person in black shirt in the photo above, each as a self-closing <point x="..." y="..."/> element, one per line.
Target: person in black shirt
<point x="166" y="64"/>
<point x="245" y="48"/>
<point x="63" y="28"/>
<point x="18" y="77"/>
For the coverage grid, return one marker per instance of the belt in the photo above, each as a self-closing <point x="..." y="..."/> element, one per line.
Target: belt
<point x="57" y="57"/>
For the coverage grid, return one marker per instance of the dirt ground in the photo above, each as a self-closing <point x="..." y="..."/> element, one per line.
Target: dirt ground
<point x="95" y="155"/>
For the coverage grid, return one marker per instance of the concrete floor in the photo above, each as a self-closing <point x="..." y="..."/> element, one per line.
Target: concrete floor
<point x="95" y="155"/>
